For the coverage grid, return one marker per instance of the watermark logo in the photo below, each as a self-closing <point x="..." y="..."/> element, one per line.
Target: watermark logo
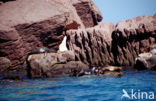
<point x="138" y="94"/>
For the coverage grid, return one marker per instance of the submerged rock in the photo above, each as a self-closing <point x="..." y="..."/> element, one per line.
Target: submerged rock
<point x="146" y="60"/>
<point x="113" y="74"/>
<point x="12" y="78"/>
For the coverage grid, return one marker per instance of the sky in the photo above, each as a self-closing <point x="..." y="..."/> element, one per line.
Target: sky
<point x="117" y="10"/>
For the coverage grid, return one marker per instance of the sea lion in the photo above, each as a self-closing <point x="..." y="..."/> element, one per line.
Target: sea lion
<point x="112" y="71"/>
<point x="39" y="51"/>
<point x="42" y="50"/>
<point x="88" y="72"/>
<point x="111" y="68"/>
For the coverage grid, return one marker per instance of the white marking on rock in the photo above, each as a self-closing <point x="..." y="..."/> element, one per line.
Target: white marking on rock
<point x="29" y="57"/>
<point x="42" y="50"/>
<point x="63" y="46"/>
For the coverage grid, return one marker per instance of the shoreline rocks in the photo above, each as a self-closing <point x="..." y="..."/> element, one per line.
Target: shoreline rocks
<point x="4" y="64"/>
<point x="92" y="45"/>
<point x="146" y="60"/>
<point x="12" y="78"/>
<point x="29" y="24"/>
<point x="105" y="44"/>
<point x="54" y="64"/>
<point x="132" y="37"/>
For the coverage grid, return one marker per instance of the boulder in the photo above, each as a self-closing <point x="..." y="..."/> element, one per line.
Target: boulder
<point x="92" y="45"/>
<point x="132" y="37"/>
<point x="53" y="64"/>
<point x="72" y="68"/>
<point x="146" y="60"/>
<point x="5" y="63"/>
<point x="29" y="24"/>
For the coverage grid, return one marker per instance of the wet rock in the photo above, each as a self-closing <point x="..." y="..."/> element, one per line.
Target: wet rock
<point x="146" y="60"/>
<point x="12" y="78"/>
<point x="72" y="68"/>
<point x="53" y="64"/>
<point x="132" y="37"/>
<point x="4" y="64"/>
<point x="113" y="74"/>
<point x="92" y="45"/>
<point x="110" y="71"/>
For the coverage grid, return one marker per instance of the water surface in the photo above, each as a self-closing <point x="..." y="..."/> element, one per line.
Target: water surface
<point x="91" y="88"/>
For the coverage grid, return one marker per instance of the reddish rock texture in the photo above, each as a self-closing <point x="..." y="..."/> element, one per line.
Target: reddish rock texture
<point x="92" y="45"/>
<point x="133" y="37"/>
<point x="106" y="45"/>
<point x="29" y="24"/>
<point x="4" y="63"/>
<point x="88" y="12"/>
<point x="54" y="64"/>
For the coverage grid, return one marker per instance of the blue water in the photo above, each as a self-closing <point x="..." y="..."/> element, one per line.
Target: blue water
<point x="79" y="88"/>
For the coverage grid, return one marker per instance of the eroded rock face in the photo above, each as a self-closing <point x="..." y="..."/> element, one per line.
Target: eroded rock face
<point x="53" y="64"/>
<point x="133" y="37"/>
<point x="88" y="12"/>
<point x="93" y="45"/>
<point x="29" y="24"/>
<point x="104" y="44"/>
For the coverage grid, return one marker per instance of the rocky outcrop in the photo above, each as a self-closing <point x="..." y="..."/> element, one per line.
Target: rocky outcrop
<point x="106" y="45"/>
<point x="53" y="64"/>
<point x="132" y="37"/>
<point x="93" y="45"/>
<point x="29" y="24"/>
<point x="146" y="60"/>
<point x="88" y="12"/>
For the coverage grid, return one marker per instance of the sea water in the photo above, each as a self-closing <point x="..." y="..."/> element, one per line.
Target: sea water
<point x="88" y="88"/>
